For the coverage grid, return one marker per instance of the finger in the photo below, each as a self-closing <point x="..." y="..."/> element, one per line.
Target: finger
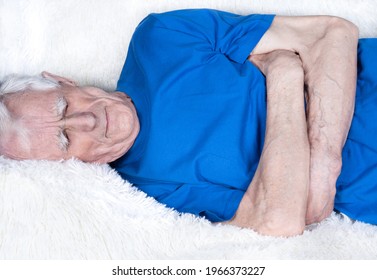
<point x="259" y="60"/>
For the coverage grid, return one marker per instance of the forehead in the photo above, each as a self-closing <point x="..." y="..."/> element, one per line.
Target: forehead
<point x="36" y="112"/>
<point x="30" y="145"/>
<point x="32" y="102"/>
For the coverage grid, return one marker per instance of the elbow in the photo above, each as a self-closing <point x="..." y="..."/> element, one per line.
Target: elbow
<point x="273" y="228"/>
<point x="282" y="228"/>
<point x="341" y="28"/>
<point x="271" y="224"/>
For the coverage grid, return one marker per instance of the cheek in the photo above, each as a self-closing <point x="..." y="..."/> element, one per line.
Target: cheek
<point x="84" y="146"/>
<point x="90" y="149"/>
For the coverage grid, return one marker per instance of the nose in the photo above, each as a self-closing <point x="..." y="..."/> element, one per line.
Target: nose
<point x="83" y="121"/>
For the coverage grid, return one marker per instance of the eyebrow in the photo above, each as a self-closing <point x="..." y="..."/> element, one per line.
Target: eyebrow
<point x="60" y="106"/>
<point x="63" y="141"/>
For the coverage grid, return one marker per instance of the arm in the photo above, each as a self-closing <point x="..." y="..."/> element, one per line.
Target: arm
<point x="328" y="49"/>
<point x="276" y="199"/>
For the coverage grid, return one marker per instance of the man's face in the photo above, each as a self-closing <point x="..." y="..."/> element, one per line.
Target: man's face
<point x="83" y="122"/>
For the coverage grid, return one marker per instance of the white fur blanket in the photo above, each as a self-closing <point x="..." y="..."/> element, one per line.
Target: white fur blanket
<point x="72" y="210"/>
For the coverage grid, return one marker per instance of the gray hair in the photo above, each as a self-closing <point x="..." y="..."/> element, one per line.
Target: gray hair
<point x="17" y="83"/>
<point x="5" y="119"/>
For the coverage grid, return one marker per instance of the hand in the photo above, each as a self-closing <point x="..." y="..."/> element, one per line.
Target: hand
<point x="324" y="171"/>
<point x="278" y="59"/>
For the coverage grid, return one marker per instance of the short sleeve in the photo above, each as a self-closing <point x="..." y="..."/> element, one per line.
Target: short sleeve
<point x="215" y="202"/>
<point x="208" y="30"/>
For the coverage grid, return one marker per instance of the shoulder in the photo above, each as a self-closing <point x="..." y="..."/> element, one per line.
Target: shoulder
<point x="170" y="18"/>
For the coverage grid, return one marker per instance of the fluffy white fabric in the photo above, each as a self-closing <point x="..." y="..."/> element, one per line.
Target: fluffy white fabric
<point x="72" y="210"/>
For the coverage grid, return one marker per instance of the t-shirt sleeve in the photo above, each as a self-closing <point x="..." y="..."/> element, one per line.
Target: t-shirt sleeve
<point x="215" y="202"/>
<point x="175" y="33"/>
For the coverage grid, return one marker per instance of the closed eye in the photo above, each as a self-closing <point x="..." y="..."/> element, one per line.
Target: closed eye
<point x="61" y="106"/>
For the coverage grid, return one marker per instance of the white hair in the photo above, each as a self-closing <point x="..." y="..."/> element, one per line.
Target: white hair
<point x="5" y="119"/>
<point x="19" y="83"/>
<point x="16" y="83"/>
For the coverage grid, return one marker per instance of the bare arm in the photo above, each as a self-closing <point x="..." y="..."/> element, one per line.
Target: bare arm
<point x="276" y="200"/>
<point x="328" y="49"/>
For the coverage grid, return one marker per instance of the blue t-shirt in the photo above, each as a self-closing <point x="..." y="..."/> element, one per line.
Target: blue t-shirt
<point x="201" y="106"/>
<point x="202" y="110"/>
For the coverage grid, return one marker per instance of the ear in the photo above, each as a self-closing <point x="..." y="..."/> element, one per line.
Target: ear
<point x="60" y="80"/>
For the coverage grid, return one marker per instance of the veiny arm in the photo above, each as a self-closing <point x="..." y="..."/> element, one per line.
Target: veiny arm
<point x="328" y="49"/>
<point x="275" y="202"/>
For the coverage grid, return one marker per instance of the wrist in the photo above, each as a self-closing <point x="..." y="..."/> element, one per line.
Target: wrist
<point x="293" y="71"/>
<point x="286" y="83"/>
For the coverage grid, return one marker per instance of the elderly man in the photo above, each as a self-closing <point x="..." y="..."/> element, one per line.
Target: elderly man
<point x="240" y="119"/>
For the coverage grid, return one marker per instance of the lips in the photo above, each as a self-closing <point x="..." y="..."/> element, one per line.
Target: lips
<point x="107" y="123"/>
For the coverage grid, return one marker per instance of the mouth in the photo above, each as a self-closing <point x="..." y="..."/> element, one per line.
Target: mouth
<point x="107" y="123"/>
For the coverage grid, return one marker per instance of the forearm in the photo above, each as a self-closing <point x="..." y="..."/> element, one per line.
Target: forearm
<point x="327" y="47"/>
<point x="275" y="202"/>
<point x="330" y="76"/>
